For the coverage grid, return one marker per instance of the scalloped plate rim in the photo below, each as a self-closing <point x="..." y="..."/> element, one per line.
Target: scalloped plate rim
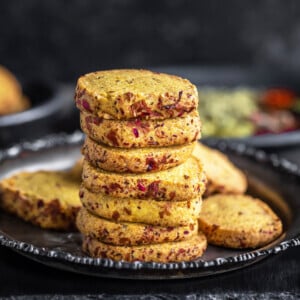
<point x="250" y="257"/>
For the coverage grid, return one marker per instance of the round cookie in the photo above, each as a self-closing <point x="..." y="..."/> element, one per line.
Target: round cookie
<point x="222" y="176"/>
<point x="148" y="211"/>
<point x="76" y="170"/>
<point x="47" y="199"/>
<point x="130" y="234"/>
<point x="183" y="182"/>
<point x="127" y="94"/>
<point x="186" y="250"/>
<point x="238" y="221"/>
<point x="135" y="160"/>
<point x="142" y="133"/>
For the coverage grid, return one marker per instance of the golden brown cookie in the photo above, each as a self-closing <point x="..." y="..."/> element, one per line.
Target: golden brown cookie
<point x="131" y="234"/>
<point x="186" y="250"/>
<point x="46" y="199"/>
<point x="222" y="176"/>
<point x="135" y="160"/>
<point x="184" y="182"/>
<point x="76" y="170"/>
<point x="11" y="98"/>
<point x="127" y="94"/>
<point x="142" y="133"/>
<point x="148" y="211"/>
<point x="238" y="221"/>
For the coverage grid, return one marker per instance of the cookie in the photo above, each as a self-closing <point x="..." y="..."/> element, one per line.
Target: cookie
<point x="238" y="221"/>
<point x="135" y="160"/>
<point x="222" y="176"/>
<point x="76" y="170"/>
<point x="46" y="199"/>
<point x="148" y="211"/>
<point x="142" y="133"/>
<point x="183" y="182"/>
<point x="131" y="234"/>
<point x="186" y="250"/>
<point x="127" y="94"/>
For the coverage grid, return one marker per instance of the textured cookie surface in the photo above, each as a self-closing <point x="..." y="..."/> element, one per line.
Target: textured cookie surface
<point x="129" y="234"/>
<point x="142" y="133"/>
<point x="135" y="160"/>
<point x="127" y="94"/>
<point x="183" y="182"/>
<point x="11" y="98"/>
<point x="76" y="171"/>
<point x="46" y="199"/>
<point x="167" y="252"/>
<point x="148" y="211"/>
<point x="238" y="221"/>
<point x="222" y="176"/>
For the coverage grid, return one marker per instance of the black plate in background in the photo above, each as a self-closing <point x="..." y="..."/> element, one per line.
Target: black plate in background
<point x="52" y="109"/>
<point x="274" y="180"/>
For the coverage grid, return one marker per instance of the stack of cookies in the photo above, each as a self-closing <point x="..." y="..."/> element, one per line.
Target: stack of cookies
<point x="142" y="188"/>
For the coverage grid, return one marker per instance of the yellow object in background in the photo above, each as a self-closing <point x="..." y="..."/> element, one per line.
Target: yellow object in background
<point x="11" y="97"/>
<point x="226" y="113"/>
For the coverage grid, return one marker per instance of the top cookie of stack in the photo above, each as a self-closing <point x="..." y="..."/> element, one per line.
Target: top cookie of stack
<point x="126" y="94"/>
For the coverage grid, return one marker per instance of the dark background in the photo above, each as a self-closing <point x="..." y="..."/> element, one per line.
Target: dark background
<point x="59" y="40"/>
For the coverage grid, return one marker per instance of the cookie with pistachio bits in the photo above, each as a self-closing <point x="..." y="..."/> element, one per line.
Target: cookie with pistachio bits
<point x="142" y="133"/>
<point x="183" y="182"/>
<point x="238" y="221"/>
<point x="222" y="175"/>
<point x="131" y="234"/>
<point x="135" y="160"/>
<point x="130" y="93"/>
<point x="148" y="211"/>
<point x="43" y="198"/>
<point x="186" y="250"/>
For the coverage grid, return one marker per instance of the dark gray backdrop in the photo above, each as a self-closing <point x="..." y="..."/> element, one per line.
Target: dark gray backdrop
<point x="59" y="40"/>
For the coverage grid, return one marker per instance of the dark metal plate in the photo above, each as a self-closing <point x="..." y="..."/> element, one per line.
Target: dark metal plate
<point x="272" y="179"/>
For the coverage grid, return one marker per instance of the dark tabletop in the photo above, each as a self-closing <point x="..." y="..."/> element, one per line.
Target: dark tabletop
<point x="275" y="277"/>
<point x="21" y="276"/>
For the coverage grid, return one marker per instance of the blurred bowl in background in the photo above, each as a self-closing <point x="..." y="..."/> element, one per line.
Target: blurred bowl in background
<point x="234" y="78"/>
<point x="52" y="110"/>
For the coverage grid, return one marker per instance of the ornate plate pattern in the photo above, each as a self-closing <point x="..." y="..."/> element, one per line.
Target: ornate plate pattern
<point x="273" y="179"/>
